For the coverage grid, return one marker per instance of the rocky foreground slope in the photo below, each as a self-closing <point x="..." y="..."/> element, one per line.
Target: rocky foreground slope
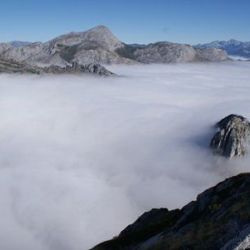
<point x="99" y="45"/>
<point x="218" y="219"/>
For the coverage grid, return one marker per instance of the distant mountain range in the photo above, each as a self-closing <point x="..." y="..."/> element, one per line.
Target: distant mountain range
<point x="99" y="45"/>
<point x="18" y="44"/>
<point x="232" y="47"/>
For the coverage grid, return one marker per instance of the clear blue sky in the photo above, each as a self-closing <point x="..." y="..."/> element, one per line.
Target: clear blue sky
<point x="132" y="21"/>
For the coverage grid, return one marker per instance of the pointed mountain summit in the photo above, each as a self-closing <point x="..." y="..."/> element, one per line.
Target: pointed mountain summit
<point x="99" y="35"/>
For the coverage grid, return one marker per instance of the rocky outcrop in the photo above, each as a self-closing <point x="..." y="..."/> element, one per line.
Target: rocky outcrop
<point x="232" y="136"/>
<point x="91" y="68"/>
<point x="218" y="219"/>
<point x="211" y="55"/>
<point x="99" y="45"/>
<point x="15" y="67"/>
<point x="22" y="54"/>
<point x="74" y="68"/>
<point x="96" y="45"/>
<point x="4" y="47"/>
<point x="164" y="52"/>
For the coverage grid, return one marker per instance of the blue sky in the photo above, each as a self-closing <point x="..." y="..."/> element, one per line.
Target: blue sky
<point x="187" y="21"/>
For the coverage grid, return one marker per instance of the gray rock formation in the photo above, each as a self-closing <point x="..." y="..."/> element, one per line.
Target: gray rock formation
<point x="232" y="136"/>
<point x="91" y="68"/>
<point x="99" y="45"/>
<point x="211" y="54"/>
<point x="4" y="47"/>
<point x="166" y="52"/>
<point x="75" y="68"/>
<point x="15" y="67"/>
<point x="96" y="45"/>
<point x="218" y="219"/>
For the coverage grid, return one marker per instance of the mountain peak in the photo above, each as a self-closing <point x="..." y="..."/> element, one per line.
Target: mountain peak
<point x="103" y="36"/>
<point x="100" y="28"/>
<point x="99" y="36"/>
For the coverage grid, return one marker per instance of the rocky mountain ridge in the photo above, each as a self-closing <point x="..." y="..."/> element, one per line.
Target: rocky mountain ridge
<point x="218" y="219"/>
<point x="99" y="45"/>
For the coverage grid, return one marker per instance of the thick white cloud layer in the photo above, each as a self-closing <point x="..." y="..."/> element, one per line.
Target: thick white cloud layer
<point x="82" y="157"/>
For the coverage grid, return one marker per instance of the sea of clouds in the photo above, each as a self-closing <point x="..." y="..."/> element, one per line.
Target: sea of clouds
<point x="81" y="157"/>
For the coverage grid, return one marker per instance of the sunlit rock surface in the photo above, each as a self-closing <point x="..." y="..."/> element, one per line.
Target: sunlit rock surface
<point x="100" y="45"/>
<point x="232" y="136"/>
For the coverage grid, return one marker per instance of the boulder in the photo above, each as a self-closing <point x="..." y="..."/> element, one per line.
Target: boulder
<point x="232" y="136"/>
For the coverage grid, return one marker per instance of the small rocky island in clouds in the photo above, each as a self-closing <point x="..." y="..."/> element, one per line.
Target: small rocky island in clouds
<point x="94" y="47"/>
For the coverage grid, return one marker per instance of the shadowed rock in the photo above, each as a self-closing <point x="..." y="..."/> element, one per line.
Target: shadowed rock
<point x="74" y="68"/>
<point x="232" y="136"/>
<point x="10" y="66"/>
<point x="92" y="68"/>
<point x="218" y="219"/>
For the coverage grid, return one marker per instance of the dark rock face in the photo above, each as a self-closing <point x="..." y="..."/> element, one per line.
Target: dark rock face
<point x="149" y="224"/>
<point x="232" y="136"/>
<point x="91" y="68"/>
<point x="218" y="219"/>
<point x="16" y="67"/>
